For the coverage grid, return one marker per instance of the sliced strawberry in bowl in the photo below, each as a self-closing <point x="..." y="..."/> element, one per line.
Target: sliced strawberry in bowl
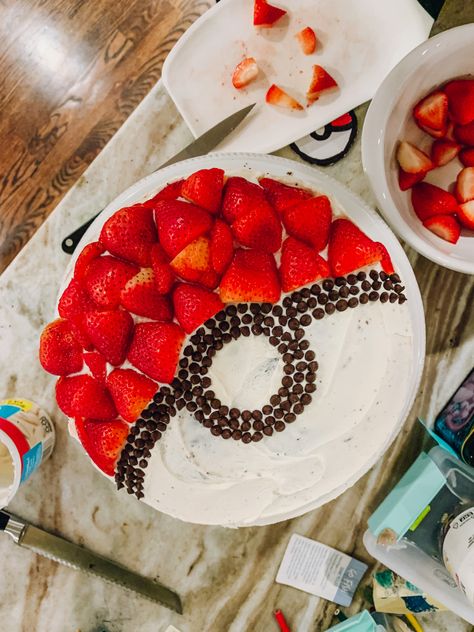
<point x="131" y="392"/>
<point x="194" y="305"/>
<point x="444" y="226"/>
<point x="194" y="261"/>
<point x="307" y="40"/>
<point x="465" y="185"/>
<point x="240" y="196"/>
<point x="350" y="249"/>
<point x="245" y="72"/>
<point x="282" y="196"/>
<point x="83" y="396"/>
<point x="321" y="82"/>
<point x="222" y="246"/>
<point x="466" y="156"/>
<point x="279" y="97"/>
<point x="309" y="221"/>
<point x="155" y="349"/>
<point x="89" y="253"/>
<point x="204" y="188"/>
<point x="443" y="151"/>
<point x="407" y="180"/>
<point x="252" y="277"/>
<point x="164" y="275"/>
<point x="258" y="228"/>
<point x="130" y="233"/>
<point x="110" y="332"/>
<point x="103" y="441"/>
<point x="179" y="223"/>
<point x="445" y="132"/>
<point x="460" y="94"/>
<point x="97" y="365"/>
<point x="429" y="200"/>
<point x="300" y="265"/>
<point x="60" y="353"/>
<point x="265" y="14"/>
<point x="75" y="300"/>
<point x="432" y="111"/>
<point x="464" y="134"/>
<point x="105" y="279"/>
<point x="466" y="214"/>
<point x="413" y="160"/>
<point x="140" y="296"/>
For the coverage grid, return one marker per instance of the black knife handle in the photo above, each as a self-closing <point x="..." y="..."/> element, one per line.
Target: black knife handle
<point x="4" y="518"/>
<point x="69" y="243"/>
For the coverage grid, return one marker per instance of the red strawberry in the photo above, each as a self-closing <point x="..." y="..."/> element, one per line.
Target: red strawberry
<point x="465" y="185"/>
<point x="130" y="233"/>
<point x="466" y="214"/>
<point x="277" y="96"/>
<point x="222" y="247"/>
<point x="445" y="132"/>
<point x="79" y="331"/>
<point x="432" y="111"/>
<point x="204" y="188"/>
<point x="105" y="279"/>
<point x="466" y="156"/>
<point x="407" y="180"/>
<point x="342" y="121"/>
<point x="449" y="135"/>
<point x="429" y="200"/>
<point x="89" y="253"/>
<point x="240" y="196"/>
<point x="74" y="300"/>
<point x="194" y="305"/>
<point x="385" y="260"/>
<point x="244" y="73"/>
<point x="131" y="392"/>
<point x="445" y="226"/>
<point x="300" y="265"/>
<point x="307" y="40"/>
<point x="164" y="275"/>
<point x="210" y="279"/>
<point x="59" y="352"/>
<point x="464" y="134"/>
<point x="282" y="196"/>
<point x="103" y="441"/>
<point x="171" y="191"/>
<point x="251" y="277"/>
<point x="265" y="14"/>
<point x="321" y="82"/>
<point x="110" y="333"/>
<point x="194" y="260"/>
<point x="443" y="151"/>
<point x="180" y="223"/>
<point x="155" y="349"/>
<point x="413" y="160"/>
<point x="141" y="297"/>
<point x="82" y="396"/>
<point x="97" y="365"/>
<point x="461" y="100"/>
<point x="258" y="228"/>
<point x="349" y="248"/>
<point x="310" y="221"/>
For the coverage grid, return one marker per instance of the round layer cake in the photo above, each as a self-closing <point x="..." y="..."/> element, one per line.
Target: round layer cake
<point x="236" y="346"/>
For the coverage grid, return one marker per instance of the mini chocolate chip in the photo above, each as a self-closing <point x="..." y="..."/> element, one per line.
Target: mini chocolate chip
<point x="226" y="433"/>
<point x="305" y="320"/>
<point x="311" y="377"/>
<point x="242" y="308"/>
<point x="366" y="285"/>
<point x="247" y="319"/>
<point x="301" y="366"/>
<point x="277" y="310"/>
<point x="234" y="424"/>
<point x="254" y="308"/>
<point x="257" y="436"/>
<point x="246" y="415"/>
<point x="267" y="409"/>
<point x="234" y="413"/>
<point x="373" y="274"/>
<point x="161" y="426"/>
<point x="305" y="292"/>
<point x="270" y="420"/>
<point x="373" y="296"/>
<point x="351" y="279"/>
<point x="286" y="405"/>
<point x="330" y="309"/>
<point x="310" y="388"/>
<point x="315" y="289"/>
<point x="302" y="307"/>
<point x="341" y="305"/>
<point x="257" y="414"/>
<point x="236" y="435"/>
<point x="278" y="413"/>
<point x="376" y="285"/>
<point x="287" y="336"/>
<point x="207" y="423"/>
<point x="266" y="308"/>
<point x="183" y="363"/>
<point x="199" y="415"/>
<point x="353" y="290"/>
<point x="309" y="355"/>
<point x="191" y="406"/>
<point x="206" y="382"/>
<point x="313" y="366"/>
<point x="298" y="377"/>
<point x="353" y="301"/>
<point x="312" y="302"/>
<point x="268" y="431"/>
<point x="322" y="299"/>
<point x="220" y="316"/>
<point x="180" y="404"/>
<point x="293" y="398"/>
<point x="296" y="297"/>
<point x="293" y="324"/>
<point x="288" y="369"/>
<point x="280" y="426"/>
<point x="223" y="421"/>
<point x="258" y="425"/>
<point x="246" y="437"/>
<point x="256" y="330"/>
<point x="318" y="313"/>
<point x="304" y="344"/>
<point x="143" y="464"/>
<point x="268" y="321"/>
<point x="364" y="298"/>
<point x="333" y="295"/>
<point x="258" y="319"/>
<point x="245" y="331"/>
<point x="282" y="391"/>
<point x="328" y="285"/>
<point x="216" y="430"/>
<point x="298" y="409"/>
<point x="306" y="399"/>
<point x="388" y="285"/>
<point x="402" y="298"/>
<point x="361" y="275"/>
<point x="340" y="280"/>
<point x="395" y="278"/>
<point x="384" y="297"/>
<point x="289" y="418"/>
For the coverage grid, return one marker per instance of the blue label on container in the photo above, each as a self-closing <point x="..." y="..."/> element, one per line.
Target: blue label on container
<point x="31" y="461"/>
<point x="349" y="582"/>
<point x="6" y="410"/>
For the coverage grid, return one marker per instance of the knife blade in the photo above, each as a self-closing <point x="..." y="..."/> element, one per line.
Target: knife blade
<point x="75" y="556"/>
<point x="199" y="147"/>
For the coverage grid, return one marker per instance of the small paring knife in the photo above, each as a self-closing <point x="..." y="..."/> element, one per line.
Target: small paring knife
<point x="75" y="556"/>
<point x="199" y="147"/>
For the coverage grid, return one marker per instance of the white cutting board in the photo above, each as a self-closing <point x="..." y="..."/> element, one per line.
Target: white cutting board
<point x="360" y="41"/>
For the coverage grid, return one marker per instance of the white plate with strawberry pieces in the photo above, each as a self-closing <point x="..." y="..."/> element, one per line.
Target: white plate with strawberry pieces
<point x="417" y="148"/>
<point x="355" y="43"/>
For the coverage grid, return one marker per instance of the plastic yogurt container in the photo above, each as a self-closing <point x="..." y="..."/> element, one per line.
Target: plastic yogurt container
<point x="26" y="439"/>
<point x="458" y="552"/>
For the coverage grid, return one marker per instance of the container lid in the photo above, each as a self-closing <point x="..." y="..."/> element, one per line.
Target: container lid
<point x="362" y="622"/>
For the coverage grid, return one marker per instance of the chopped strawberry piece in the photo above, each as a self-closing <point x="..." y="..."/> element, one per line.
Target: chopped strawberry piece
<point x="155" y="349"/>
<point x="131" y="392"/>
<point x="407" y="180"/>
<point x="59" y="351"/>
<point x="385" y="261"/>
<point x="349" y="248"/>
<point x="180" y="223"/>
<point x="265" y="14"/>
<point x="437" y="133"/>
<point x="258" y="228"/>
<point x="244" y="73"/>
<point x="449" y="135"/>
<point x="432" y="111"/>
<point x="282" y="196"/>
<point x="251" y="277"/>
<point x="300" y="265"/>
<point x="413" y="160"/>
<point x="140" y="296"/>
<point x="83" y="396"/>
<point x="307" y="40"/>
<point x="309" y="221"/>
<point x="464" y="134"/>
<point x="240" y="196"/>
<point x="342" y="121"/>
<point x="210" y="279"/>
<point x="194" y="261"/>
<point x="443" y="151"/>
<point x="460" y="94"/>
<point x="466" y="214"/>
<point x="321" y="82"/>
<point x="79" y="331"/>
<point x="445" y="226"/>
<point x="130" y="233"/>
<point x="105" y="279"/>
<point x="277" y="96"/>
<point x="74" y="300"/>
<point x="194" y="305"/>
<point x="465" y="185"/>
<point x="171" y="191"/>
<point x="204" y="188"/>
<point x="97" y="365"/>
<point x="222" y="247"/>
<point x="164" y="275"/>
<point x="89" y="253"/>
<point x="110" y="332"/>
<point x="466" y="156"/>
<point x="103" y="441"/>
<point x="429" y="200"/>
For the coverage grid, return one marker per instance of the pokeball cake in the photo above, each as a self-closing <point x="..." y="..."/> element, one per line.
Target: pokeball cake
<point x="232" y="350"/>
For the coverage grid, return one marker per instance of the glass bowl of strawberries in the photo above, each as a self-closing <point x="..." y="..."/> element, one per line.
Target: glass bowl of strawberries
<point x="418" y="148"/>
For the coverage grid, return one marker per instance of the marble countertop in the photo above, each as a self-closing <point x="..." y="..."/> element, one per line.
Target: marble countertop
<point x="225" y="577"/>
